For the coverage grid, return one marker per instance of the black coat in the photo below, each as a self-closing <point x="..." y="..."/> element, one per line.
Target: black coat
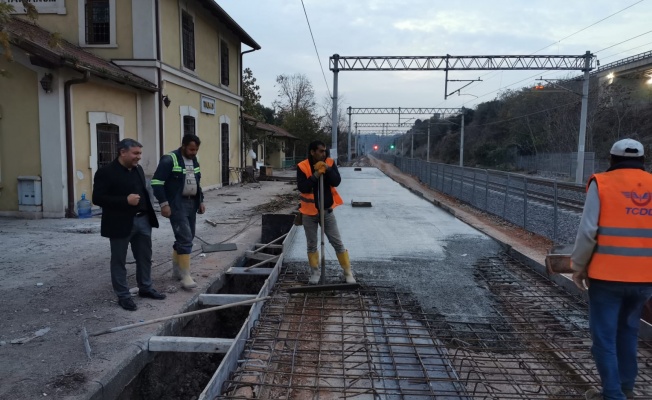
<point x="110" y="191"/>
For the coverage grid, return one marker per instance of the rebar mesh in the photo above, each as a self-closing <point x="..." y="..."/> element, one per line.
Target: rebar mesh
<point x="378" y="343"/>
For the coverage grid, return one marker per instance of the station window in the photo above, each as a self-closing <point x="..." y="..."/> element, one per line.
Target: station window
<point x="108" y="136"/>
<point x="224" y="63"/>
<point x="98" y="22"/>
<point x="188" y="125"/>
<point x="188" y="38"/>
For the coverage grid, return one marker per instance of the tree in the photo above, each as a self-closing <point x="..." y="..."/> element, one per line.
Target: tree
<point x="250" y="94"/>
<point x="295" y="93"/>
<point x="296" y="108"/>
<point x="252" y="107"/>
<point x="5" y="16"/>
<point x="6" y="10"/>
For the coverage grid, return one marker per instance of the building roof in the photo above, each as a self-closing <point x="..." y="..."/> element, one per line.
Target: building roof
<point x="37" y="42"/>
<point x="273" y="130"/>
<point x="219" y="13"/>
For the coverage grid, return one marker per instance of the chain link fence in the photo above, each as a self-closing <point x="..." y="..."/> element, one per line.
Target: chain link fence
<point x="549" y="208"/>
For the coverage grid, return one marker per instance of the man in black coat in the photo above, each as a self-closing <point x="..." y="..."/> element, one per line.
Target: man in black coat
<point x="127" y="218"/>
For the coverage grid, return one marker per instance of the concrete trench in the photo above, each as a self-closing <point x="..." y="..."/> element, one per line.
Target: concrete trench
<point x="181" y="375"/>
<point x="444" y="312"/>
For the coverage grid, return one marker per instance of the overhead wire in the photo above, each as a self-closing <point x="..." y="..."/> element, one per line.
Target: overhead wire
<point x="573" y="34"/>
<point x="625" y="51"/>
<point x="551" y="72"/>
<point x="624" y="41"/>
<point x="587" y="27"/>
<point x="547" y="109"/>
<point x="316" y="51"/>
<point x="527" y="115"/>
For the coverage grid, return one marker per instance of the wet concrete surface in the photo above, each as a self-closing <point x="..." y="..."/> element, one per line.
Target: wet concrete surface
<point x="405" y="241"/>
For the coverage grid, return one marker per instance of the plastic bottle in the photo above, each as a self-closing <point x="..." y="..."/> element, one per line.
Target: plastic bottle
<point x="84" y="207"/>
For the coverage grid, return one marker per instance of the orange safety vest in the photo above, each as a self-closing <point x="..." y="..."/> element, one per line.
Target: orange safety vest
<point x="623" y="252"/>
<point x="308" y="199"/>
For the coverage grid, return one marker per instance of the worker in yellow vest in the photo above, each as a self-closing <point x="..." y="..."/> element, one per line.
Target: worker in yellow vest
<point x="612" y="257"/>
<point x="308" y="173"/>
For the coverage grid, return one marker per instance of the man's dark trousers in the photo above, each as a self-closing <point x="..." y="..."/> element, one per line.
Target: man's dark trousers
<point x="183" y="225"/>
<point x="140" y="239"/>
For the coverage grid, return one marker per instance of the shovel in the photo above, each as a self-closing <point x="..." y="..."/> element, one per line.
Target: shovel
<point x="86" y="335"/>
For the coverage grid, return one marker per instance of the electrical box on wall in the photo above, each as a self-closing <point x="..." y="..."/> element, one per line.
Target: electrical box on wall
<point x="29" y="193"/>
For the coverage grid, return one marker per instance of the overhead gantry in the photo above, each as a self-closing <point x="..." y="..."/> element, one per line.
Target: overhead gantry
<point x="585" y="63"/>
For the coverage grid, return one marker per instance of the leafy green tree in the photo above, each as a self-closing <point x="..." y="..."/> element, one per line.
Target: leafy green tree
<point x="251" y="94"/>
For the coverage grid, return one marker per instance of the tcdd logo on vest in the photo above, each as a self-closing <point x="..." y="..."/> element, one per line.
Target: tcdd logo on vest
<point x="640" y="200"/>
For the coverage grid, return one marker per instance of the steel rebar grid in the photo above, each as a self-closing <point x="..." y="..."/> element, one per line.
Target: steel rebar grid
<point x="378" y="343"/>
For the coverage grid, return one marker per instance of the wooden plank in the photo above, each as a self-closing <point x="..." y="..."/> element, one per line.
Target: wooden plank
<point x="259" y="256"/>
<point x="189" y="344"/>
<point x="272" y="242"/>
<point x="221" y="299"/>
<point x="271" y="246"/>
<point x="243" y="271"/>
<point x="268" y="260"/>
<point x="214" y="248"/>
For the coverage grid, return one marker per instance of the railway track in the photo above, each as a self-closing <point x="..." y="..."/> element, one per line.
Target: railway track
<point x="564" y="195"/>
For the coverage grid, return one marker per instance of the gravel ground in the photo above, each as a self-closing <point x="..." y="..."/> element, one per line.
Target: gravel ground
<point x="54" y="279"/>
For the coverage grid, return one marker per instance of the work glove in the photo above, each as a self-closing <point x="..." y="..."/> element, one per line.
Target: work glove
<point x="320" y="167"/>
<point x="581" y="280"/>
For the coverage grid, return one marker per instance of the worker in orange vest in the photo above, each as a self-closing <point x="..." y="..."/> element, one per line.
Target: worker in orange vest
<point x="308" y="172"/>
<point x="612" y="257"/>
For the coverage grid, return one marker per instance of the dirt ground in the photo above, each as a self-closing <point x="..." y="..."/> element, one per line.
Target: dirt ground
<point x="54" y="279"/>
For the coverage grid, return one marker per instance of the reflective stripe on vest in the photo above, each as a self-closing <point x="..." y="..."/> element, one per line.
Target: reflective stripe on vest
<point x="308" y="199"/>
<point x="175" y="163"/>
<point x="623" y="252"/>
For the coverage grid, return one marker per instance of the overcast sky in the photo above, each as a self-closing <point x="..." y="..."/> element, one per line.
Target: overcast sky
<point x="429" y="27"/>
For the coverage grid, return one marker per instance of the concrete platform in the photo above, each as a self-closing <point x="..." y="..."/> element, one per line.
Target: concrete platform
<point x="399" y="224"/>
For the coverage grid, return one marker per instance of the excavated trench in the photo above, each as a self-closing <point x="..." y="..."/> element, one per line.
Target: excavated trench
<point x="184" y="375"/>
<point x="175" y="375"/>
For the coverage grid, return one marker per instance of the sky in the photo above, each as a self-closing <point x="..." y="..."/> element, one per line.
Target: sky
<point x="430" y="28"/>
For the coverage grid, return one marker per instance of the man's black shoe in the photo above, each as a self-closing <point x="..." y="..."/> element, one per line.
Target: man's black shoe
<point x="152" y="294"/>
<point x="127" y="304"/>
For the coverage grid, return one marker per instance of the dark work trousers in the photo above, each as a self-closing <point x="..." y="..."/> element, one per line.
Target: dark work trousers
<point x="183" y="226"/>
<point x="140" y="239"/>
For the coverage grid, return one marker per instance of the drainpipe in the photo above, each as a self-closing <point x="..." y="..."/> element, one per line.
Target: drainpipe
<point x="244" y="151"/>
<point x="160" y="79"/>
<point x="70" y="212"/>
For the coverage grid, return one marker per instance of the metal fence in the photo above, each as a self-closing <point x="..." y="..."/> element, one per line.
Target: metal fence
<point x="549" y="208"/>
<point x="289" y="162"/>
<point x="559" y="164"/>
